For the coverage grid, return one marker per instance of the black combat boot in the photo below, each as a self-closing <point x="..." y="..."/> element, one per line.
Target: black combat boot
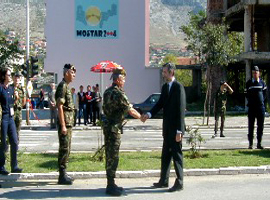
<point x="112" y="189"/>
<point x="64" y="179"/>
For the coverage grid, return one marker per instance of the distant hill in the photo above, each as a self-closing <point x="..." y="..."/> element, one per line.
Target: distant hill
<point x="166" y="17"/>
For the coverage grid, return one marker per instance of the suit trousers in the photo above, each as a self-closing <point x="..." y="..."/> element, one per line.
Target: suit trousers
<point x="171" y="150"/>
<point x="258" y="113"/>
<point x="8" y="129"/>
<point x="82" y="112"/>
<point x="89" y="112"/>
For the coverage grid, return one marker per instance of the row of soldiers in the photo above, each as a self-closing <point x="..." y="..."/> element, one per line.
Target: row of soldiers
<point x="113" y="96"/>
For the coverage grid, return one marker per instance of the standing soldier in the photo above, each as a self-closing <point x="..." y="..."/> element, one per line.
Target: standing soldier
<point x="18" y="103"/>
<point x="220" y="106"/>
<point x="52" y="105"/>
<point x="256" y="97"/>
<point x="65" y="105"/>
<point x="115" y="106"/>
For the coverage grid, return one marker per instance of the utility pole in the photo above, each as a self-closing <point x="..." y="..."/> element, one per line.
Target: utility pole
<point x="27" y="62"/>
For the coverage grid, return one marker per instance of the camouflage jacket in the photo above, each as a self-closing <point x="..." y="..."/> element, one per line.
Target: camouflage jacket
<point x="221" y="100"/>
<point x="63" y="96"/>
<point x="115" y="107"/>
<point x="18" y="105"/>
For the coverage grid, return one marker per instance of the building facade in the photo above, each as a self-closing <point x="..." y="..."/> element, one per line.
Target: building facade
<point x="85" y="32"/>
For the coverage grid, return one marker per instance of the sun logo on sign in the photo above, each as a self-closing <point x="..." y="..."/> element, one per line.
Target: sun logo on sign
<point x="93" y="16"/>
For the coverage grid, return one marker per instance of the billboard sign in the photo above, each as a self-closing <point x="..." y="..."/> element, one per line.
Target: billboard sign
<point x="97" y="19"/>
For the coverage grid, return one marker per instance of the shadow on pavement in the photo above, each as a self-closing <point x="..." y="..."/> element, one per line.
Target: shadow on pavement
<point x="15" y="184"/>
<point x="44" y="193"/>
<point x="53" y="193"/>
<point x="144" y="190"/>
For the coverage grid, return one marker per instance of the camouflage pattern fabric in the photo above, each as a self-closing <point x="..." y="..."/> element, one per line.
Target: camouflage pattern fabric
<point x="222" y="115"/>
<point x="112" y="146"/>
<point x="115" y="106"/>
<point x="220" y="108"/>
<point x="18" y="106"/>
<point x="64" y="147"/>
<point x="220" y="101"/>
<point x="63" y="96"/>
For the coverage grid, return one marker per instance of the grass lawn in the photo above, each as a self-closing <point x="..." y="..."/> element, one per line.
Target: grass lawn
<point x="81" y="162"/>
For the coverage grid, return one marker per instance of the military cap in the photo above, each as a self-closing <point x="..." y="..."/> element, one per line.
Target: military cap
<point x="120" y="70"/>
<point x="17" y="74"/>
<point x="70" y="66"/>
<point x="255" y="68"/>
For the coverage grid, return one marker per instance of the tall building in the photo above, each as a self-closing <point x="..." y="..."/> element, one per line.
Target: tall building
<point x="85" y="32"/>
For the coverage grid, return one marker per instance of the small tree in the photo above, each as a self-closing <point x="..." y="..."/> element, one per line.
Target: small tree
<point x="195" y="140"/>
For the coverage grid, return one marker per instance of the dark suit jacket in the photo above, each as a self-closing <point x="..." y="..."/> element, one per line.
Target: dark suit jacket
<point x="81" y="100"/>
<point x="174" y="105"/>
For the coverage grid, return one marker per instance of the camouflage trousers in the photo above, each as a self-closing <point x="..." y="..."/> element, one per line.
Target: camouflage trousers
<point x="220" y="114"/>
<point x="112" y="146"/>
<point x="18" y="121"/>
<point x="64" y="147"/>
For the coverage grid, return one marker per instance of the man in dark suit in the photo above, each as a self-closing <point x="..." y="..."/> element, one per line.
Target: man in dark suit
<point x="173" y="103"/>
<point x="82" y="106"/>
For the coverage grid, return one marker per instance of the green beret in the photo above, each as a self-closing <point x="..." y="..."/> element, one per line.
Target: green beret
<point x="120" y="70"/>
<point x="70" y="66"/>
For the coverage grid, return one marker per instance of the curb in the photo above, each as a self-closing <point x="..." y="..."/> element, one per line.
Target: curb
<point x="139" y="174"/>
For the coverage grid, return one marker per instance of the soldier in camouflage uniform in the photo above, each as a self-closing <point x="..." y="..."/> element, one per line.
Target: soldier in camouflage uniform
<point x="115" y="107"/>
<point x="220" y="106"/>
<point x="65" y="105"/>
<point x="18" y="103"/>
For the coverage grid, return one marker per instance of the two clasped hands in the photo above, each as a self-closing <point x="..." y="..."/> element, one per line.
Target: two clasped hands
<point x="144" y="117"/>
<point x="178" y="136"/>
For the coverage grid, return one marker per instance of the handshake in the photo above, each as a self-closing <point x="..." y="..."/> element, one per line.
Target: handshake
<point x="144" y="117"/>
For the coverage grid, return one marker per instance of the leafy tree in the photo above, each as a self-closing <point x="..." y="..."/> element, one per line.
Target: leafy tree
<point x="215" y="47"/>
<point x="9" y="51"/>
<point x="169" y="58"/>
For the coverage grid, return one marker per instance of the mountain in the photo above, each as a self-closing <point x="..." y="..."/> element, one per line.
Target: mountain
<point x="13" y="17"/>
<point x="166" y="17"/>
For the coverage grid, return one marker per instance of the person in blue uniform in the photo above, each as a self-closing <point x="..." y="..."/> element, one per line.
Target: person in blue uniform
<point x="256" y="96"/>
<point x="8" y="128"/>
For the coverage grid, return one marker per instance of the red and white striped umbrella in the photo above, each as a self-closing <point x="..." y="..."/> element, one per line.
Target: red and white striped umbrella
<point x="105" y="67"/>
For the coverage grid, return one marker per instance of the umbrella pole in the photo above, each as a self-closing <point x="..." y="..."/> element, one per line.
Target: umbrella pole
<point x="101" y="84"/>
